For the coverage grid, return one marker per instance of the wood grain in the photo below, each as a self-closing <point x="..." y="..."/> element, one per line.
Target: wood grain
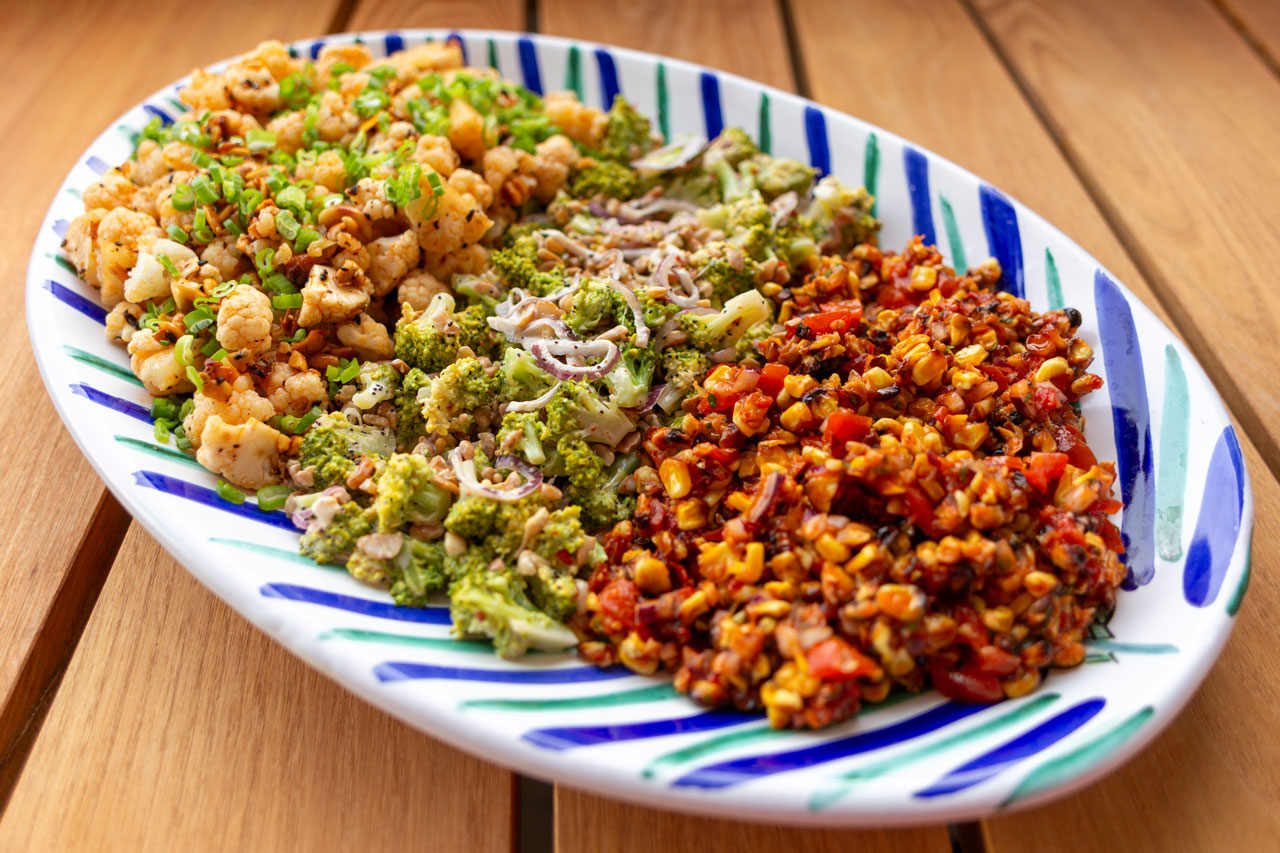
<point x="78" y="71"/>
<point x="1174" y="122"/>
<point x="180" y="726"/>
<point x="453" y="14"/>
<point x="1259" y="20"/>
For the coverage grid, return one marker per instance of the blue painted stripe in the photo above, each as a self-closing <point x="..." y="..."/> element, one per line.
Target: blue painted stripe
<point x="97" y="163"/>
<point x="609" y="88"/>
<point x="739" y="770"/>
<point x="456" y="38"/>
<point x="394" y="43"/>
<point x="314" y="50"/>
<point x="815" y="134"/>
<point x="1218" y="526"/>
<point x="1131" y="420"/>
<point x="102" y="398"/>
<point x="67" y="296"/>
<point x="917" y="167"/>
<point x="208" y="497"/>
<point x="569" y="737"/>
<point x="1000" y="221"/>
<point x="711" y="114"/>
<point x="352" y="604"/>
<point x="164" y="117"/>
<point x="529" y="65"/>
<point x="60" y="227"/>
<point x="1006" y="755"/>
<point x="406" y="671"/>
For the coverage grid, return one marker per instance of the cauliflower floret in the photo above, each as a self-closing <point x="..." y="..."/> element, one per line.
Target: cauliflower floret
<point x="117" y="246"/>
<point x="166" y="213"/>
<point x="288" y="129"/>
<point x="458" y="222"/>
<point x="326" y="170"/>
<point x="178" y="156"/>
<point x="229" y="123"/>
<point x="416" y="61"/>
<point x="367" y="337"/>
<point x="467" y="181"/>
<point x="335" y="119"/>
<point x="466" y="129"/>
<point x="550" y="165"/>
<point x="469" y="261"/>
<point x="253" y="89"/>
<point x="153" y="362"/>
<point x="81" y="245"/>
<point x="580" y="122"/>
<point x="437" y="153"/>
<point x="274" y="56"/>
<point x="113" y="189"/>
<point x="355" y="55"/>
<point x="418" y="287"/>
<point x="390" y="258"/>
<point x="246" y="454"/>
<point x="396" y="133"/>
<point x="234" y="403"/>
<point x="325" y="299"/>
<point x="122" y="321"/>
<point x="292" y="391"/>
<point x="206" y="92"/>
<point x="148" y="165"/>
<point x="244" y="320"/>
<point x="147" y="280"/>
<point x="223" y="255"/>
<point x="371" y="197"/>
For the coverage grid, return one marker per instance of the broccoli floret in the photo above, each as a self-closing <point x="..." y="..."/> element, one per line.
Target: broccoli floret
<point x="629" y="381"/>
<point x="554" y="592"/>
<point x="333" y="446"/>
<point x="656" y="311"/>
<point x="839" y="218"/>
<point x="593" y="487"/>
<point x="378" y="382"/>
<point x="472" y="518"/>
<point x="430" y="341"/>
<point x="626" y="137"/>
<point x="604" y="177"/>
<point x="495" y="605"/>
<point x="693" y="185"/>
<point x="713" y="332"/>
<point x="334" y="542"/>
<point x="417" y="571"/>
<point x="737" y="216"/>
<point x="529" y="445"/>
<point x="576" y="409"/>
<point x="523" y="379"/>
<point x="461" y="388"/>
<point x="517" y="266"/>
<point x="732" y="147"/>
<point x="774" y="176"/>
<point x="479" y="290"/>
<point x="407" y="493"/>
<point x="597" y="303"/>
<point x="682" y="368"/>
<point x="410" y="424"/>
<point x="726" y="280"/>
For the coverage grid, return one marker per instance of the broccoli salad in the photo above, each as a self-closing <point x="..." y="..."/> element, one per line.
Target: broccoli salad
<point x="432" y="316"/>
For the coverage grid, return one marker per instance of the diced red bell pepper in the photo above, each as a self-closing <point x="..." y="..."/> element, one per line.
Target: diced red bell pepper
<point x="843" y="425"/>
<point x="836" y="320"/>
<point x="771" y="378"/>
<point x="725" y="385"/>
<point x="1045" y="469"/>
<point x="834" y="659"/>
<point x="618" y="603"/>
<point x="921" y="510"/>
<point x="966" y="685"/>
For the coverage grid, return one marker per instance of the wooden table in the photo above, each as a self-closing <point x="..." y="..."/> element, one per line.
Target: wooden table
<point x="138" y="711"/>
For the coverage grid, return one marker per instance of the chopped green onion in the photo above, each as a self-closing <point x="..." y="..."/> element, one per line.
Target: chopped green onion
<point x="223" y="289"/>
<point x="285" y="301"/>
<point x="219" y="355"/>
<point x="306" y="237"/>
<point x="183" y="197"/>
<point x="291" y="197"/>
<point x="260" y="140"/>
<point x="271" y="498"/>
<point x="188" y="406"/>
<point x="370" y="101"/>
<point x="297" y="336"/>
<point x="182" y="350"/>
<point x="201" y="230"/>
<point x="196" y="380"/>
<point x="233" y="228"/>
<point x="205" y="191"/>
<point x="229" y="493"/>
<point x="163" y="409"/>
<point x="277" y="283"/>
<point x="437" y="188"/>
<point x="176" y="234"/>
<point x="198" y="320"/>
<point x="296" y="426"/>
<point x="275" y="181"/>
<point x="211" y="346"/>
<point x="265" y="260"/>
<point x="169" y="266"/>
<point x="201" y="159"/>
<point x="161" y="432"/>
<point x="249" y="201"/>
<point x="287" y="224"/>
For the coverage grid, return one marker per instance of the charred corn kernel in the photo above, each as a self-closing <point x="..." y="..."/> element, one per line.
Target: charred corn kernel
<point x="1022" y="685"/>
<point x="652" y="575"/>
<point x="773" y="608"/>
<point x="892" y="426"/>
<point x="865" y="557"/>
<point x="1040" y="584"/>
<point x="929" y="369"/>
<point x="830" y="549"/>
<point x="753" y="565"/>
<point x="771" y="289"/>
<point x="691" y="513"/>
<point x="988" y="339"/>
<point x="958" y="329"/>
<point x="924" y="278"/>
<point x="877" y="378"/>
<point x="739" y="501"/>
<point x="796" y="416"/>
<point x="998" y="619"/>
<point x="901" y="601"/>
<point x="675" y="477"/>
<point x="799" y="384"/>
<point x="876" y="692"/>
<point x="1079" y="353"/>
<point x="824" y="406"/>
<point x="971" y="355"/>
<point x="694" y="606"/>
<point x="713" y="558"/>
<point x="971" y="436"/>
<point x="639" y="655"/>
<point x="1054" y="367"/>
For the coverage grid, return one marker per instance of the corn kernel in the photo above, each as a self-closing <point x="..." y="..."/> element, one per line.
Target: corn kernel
<point x="1055" y="366"/>
<point x="652" y="575"/>
<point x="903" y="602"/>
<point x="1022" y="685"/>
<point x="971" y="436"/>
<point x="929" y="369"/>
<point x="865" y="557"/>
<point x="753" y="565"/>
<point x="924" y="278"/>
<point x="958" y="326"/>
<point x="1040" y="584"/>
<point x="971" y="355"/>
<point x="691" y="513"/>
<point x="877" y="378"/>
<point x="998" y="619"/>
<point x="675" y="477"/>
<point x="694" y="606"/>
<point x="799" y="384"/>
<point x="739" y="501"/>
<point x="830" y="549"/>
<point x="796" y="416"/>
<point x="1079" y="353"/>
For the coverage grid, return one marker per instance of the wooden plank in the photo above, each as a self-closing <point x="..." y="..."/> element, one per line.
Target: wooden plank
<point x="749" y="40"/>
<point x="1174" y="122"/>
<point x="62" y="529"/>
<point x="589" y="823"/>
<point x="453" y="14"/>
<point x="1259" y="22"/>
<point x="179" y="726"/>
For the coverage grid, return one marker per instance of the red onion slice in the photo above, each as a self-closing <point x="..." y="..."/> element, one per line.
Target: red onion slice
<point x="766" y="499"/>
<point x="722" y="356"/>
<point x="651" y="399"/>
<point x="469" y="483"/>
<point x="545" y="352"/>
<point x="534" y="404"/>
<point x="637" y="313"/>
<point x="679" y="152"/>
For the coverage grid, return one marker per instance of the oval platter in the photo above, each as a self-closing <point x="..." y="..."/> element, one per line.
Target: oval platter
<point x="920" y="759"/>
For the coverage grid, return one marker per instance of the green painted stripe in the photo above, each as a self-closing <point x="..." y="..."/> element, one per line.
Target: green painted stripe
<point x="278" y="553"/>
<point x="664" y="120"/>
<point x="635" y="696"/>
<point x="1132" y="648"/>
<point x="160" y="451"/>
<point x="493" y="55"/>
<point x="1053" y="282"/>
<point x="765" y="137"/>
<point x="1233" y="604"/>
<point x="741" y="737"/>
<point x="130" y="134"/>
<point x="449" y="644"/>
<point x="179" y="106"/>
<point x="833" y="789"/>
<point x="73" y="191"/>
<point x="1100" y="657"/>
<point x="959" y="262"/>
<point x="573" y="73"/>
<point x="871" y="168"/>
<point x="1073" y="763"/>
<point x="1171" y="479"/>
<point x="65" y="263"/>
<point x="102" y="364"/>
